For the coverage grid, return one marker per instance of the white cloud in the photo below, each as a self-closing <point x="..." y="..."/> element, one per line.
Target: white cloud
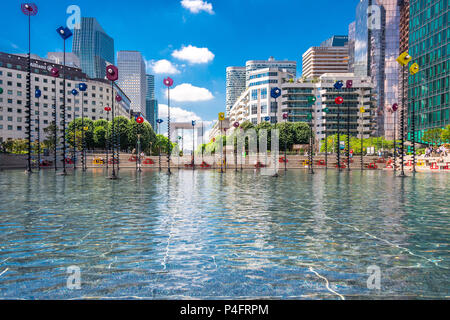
<point x="162" y="67"/>
<point x="190" y="93"/>
<point x="195" y="6"/>
<point x="177" y="114"/>
<point x="193" y="54"/>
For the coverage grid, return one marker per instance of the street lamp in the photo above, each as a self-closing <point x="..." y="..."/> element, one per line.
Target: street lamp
<point x="236" y="126"/>
<point x="74" y="93"/>
<point x="348" y="85"/>
<point x="83" y="87"/>
<point x="158" y="122"/>
<point x="37" y="94"/>
<point x="29" y="9"/>
<point x="112" y="74"/>
<point x="65" y="34"/>
<point x="168" y="82"/>
<point x="139" y="120"/>
<point x="54" y="72"/>
<point x="362" y="110"/>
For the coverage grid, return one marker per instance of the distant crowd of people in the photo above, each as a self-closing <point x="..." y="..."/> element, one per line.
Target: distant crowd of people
<point x="436" y="152"/>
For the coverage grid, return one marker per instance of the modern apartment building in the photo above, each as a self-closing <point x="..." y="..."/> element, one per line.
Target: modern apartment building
<point x="13" y="99"/>
<point x="72" y="59"/>
<point x="94" y="48"/>
<point x="294" y="101"/>
<point x="282" y="65"/>
<point x="429" y="45"/>
<point x="235" y="85"/>
<point x="377" y="38"/>
<point x="255" y="103"/>
<point x="132" y="78"/>
<point x="331" y="56"/>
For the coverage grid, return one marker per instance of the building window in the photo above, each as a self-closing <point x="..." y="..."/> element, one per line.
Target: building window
<point x="264" y="93"/>
<point x="273" y="107"/>
<point x="254" y="109"/>
<point x="263" y="108"/>
<point x="254" y="94"/>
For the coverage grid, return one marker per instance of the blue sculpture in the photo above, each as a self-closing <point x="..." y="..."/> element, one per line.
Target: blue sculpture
<point x="37" y="93"/>
<point x="275" y="92"/>
<point x="64" y="32"/>
<point x="82" y="86"/>
<point x="339" y="84"/>
<point x="193" y="123"/>
<point x="74" y="92"/>
<point x="159" y="121"/>
<point x="267" y="118"/>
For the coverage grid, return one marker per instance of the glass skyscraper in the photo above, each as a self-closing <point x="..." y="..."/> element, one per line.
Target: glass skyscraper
<point x="235" y="86"/>
<point x="376" y="49"/>
<point x="429" y="45"/>
<point x="94" y="48"/>
<point x="151" y="104"/>
<point x="132" y="78"/>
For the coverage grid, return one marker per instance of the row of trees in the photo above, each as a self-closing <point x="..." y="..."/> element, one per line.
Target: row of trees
<point x="96" y="134"/>
<point x="437" y="136"/>
<point x="290" y="133"/>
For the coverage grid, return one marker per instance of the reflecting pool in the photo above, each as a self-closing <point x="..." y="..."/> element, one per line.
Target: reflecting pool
<point x="206" y="235"/>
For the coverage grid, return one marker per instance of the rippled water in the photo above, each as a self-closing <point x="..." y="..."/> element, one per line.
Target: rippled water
<point x="237" y="235"/>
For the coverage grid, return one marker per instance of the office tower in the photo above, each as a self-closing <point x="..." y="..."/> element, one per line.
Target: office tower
<point x="132" y="78"/>
<point x="151" y="112"/>
<point x="429" y="45"/>
<point x="235" y="85"/>
<point x="72" y="59"/>
<point x="150" y="81"/>
<point x="377" y="37"/>
<point x="151" y="104"/>
<point x="94" y="48"/>
<point x="331" y="56"/>
<point x="351" y="46"/>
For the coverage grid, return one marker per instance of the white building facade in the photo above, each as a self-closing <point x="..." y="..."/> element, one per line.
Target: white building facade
<point x="13" y="100"/>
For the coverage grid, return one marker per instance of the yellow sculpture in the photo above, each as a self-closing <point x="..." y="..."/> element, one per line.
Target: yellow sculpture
<point x="404" y="58"/>
<point x="221" y="116"/>
<point x="414" y="68"/>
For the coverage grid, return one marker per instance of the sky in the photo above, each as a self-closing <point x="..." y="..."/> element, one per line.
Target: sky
<point x="192" y="41"/>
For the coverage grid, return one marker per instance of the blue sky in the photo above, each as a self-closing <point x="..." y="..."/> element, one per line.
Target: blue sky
<point x="221" y="32"/>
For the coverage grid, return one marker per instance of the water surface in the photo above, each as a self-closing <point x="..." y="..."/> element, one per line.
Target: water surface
<point x="208" y="235"/>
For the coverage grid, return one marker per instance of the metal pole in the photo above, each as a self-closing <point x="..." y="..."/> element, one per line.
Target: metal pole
<point x="113" y="176"/>
<point x="202" y="141"/>
<point x="326" y="146"/>
<point x="221" y="148"/>
<point x="39" y="136"/>
<point x="74" y="136"/>
<point x="193" y="147"/>
<point x="159" y="148"/>
<point x="311" y="158"/>
<point x="338" y="140"/>
<point x="29" y="96"/>
<point x="107" y="141"/>
<point x="55" y="130"/>
<point x="348" y="136"/>
<point x="413" y="132"/>
<point x="169" y="149"/>
<point x="64" y="110"/>
<point x="139" y="152"/>
<point x="402" y="125"/>
<point x="83" y="146"/>
<point x="285" y="146"/>
<point x="362" y="136"/>
<point x="395" y="134"/>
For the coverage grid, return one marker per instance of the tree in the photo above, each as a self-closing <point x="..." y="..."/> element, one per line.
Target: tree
<point x="302" y="133"/>
<point x="148" y="136"/>
<point x="246" y="125"/>
<point x="432" y="136"/>
<point x="81" y="125"/>
<point x="100" y="134"/>
<point x="49" y="141"/>
<point x="445" y="136"/>
<point x="121" y="127"/>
